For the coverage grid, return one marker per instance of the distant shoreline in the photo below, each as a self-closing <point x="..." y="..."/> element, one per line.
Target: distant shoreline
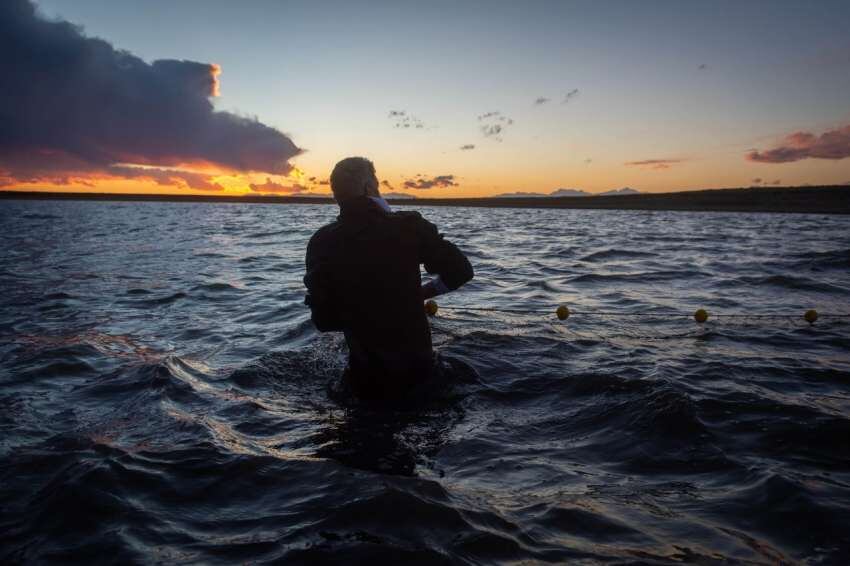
<point x="809" y="200"/>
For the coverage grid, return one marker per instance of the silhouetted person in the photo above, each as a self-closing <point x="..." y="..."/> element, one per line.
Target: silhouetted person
<point x="363" y="278"/>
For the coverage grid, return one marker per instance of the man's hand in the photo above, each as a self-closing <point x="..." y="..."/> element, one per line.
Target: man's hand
<point x="428" y="291"/>
<point x="433" y="288"/>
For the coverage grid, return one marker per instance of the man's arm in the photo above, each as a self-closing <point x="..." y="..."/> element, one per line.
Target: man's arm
<point x="443" y="258"/>
<point x="320" y="295"/>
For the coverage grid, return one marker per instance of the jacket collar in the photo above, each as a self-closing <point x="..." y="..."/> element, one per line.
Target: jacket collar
<point x="358" y="208"/>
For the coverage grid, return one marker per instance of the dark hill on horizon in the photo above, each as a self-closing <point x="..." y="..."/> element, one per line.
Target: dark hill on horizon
<point x="831" y="199"/>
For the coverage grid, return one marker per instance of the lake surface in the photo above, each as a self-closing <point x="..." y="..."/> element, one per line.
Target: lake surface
<point x="163" y="393"/>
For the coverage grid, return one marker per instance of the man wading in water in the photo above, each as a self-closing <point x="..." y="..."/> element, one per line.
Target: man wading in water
<point x="363" y="279"/>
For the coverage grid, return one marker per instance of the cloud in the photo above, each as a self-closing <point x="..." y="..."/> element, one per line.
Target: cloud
<point x="493" y="124"/>
<point x="541" y="100"/>
<point x="467" y="147"/>
<point x="401" y="119"/>
<point x="163" y="176"/>
<point x="654" y="163"/>
<point x="757" y="181"/>
<point x="422" y="182"/>
<point x="588" y="161"/>
<point x="271" y="187"/>
<point x="832" y="144"/>
<point x="386" y="184"/>
<point x="570" y="95"/>
<point x="702" y="67"/>
<point x="80" y="109"/>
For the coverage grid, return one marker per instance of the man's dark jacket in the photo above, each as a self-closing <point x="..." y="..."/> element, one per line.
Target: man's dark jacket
<point x="363" y="278"/>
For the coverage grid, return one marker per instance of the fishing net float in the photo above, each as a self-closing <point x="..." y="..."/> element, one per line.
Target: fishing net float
<point x="563" y="312"/>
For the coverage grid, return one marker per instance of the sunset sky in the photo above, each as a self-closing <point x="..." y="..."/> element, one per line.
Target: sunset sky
<point x="449" y="99"/>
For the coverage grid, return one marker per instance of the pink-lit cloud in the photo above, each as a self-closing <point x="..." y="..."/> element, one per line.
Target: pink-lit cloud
<point x="654" y="163"/>
<point x="832" y="144"/>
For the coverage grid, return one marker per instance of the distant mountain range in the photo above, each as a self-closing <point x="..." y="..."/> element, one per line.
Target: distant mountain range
<point x="555" y="193"/>
<point x="569" y="193"/>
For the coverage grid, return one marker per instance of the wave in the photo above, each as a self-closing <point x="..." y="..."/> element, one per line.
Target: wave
<point x="157" y="301"/>
<point x="637" y="277"/>
<point x="821" y="261"/>
<point x="793" y="282"/>
<point x="38" y="216"/>
<point x="615" y="254"/>
<point x="216" y="287"/>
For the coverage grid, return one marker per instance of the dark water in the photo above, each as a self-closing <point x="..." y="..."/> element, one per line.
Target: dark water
<point x="163" y="395"/>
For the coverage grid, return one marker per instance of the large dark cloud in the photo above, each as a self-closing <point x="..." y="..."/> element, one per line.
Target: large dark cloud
<point x="833" y="144"/>
<point x="74" y="107"/>
<point x="422" y="182"/>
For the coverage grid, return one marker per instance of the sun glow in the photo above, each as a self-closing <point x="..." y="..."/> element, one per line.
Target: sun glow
<point x="215" y="71"/>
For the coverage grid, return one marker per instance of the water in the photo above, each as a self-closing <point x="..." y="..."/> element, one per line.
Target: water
<point x="163" y="395"/>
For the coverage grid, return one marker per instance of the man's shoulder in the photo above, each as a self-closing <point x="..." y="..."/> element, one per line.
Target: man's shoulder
<point x="413" y="220"/>
<point x="323" y="233"/>
<point x="407" y="217"/>
<point x="405" y="214"/>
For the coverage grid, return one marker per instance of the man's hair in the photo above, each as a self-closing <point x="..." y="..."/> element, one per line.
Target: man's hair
<point x="350" y="177"/>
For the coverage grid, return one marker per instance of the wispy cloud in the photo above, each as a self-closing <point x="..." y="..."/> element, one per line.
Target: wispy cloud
<point x="401" y="119"/>
<point x="832" y="144"/>
<point x="655" y="163"/>
<point x="702" y="67"/>
<point x="467" y="147"/>
<point x="570" y="95"/>
<point x="541" y="100"/>
<point x="57" y="127"/>
<point x="493" y="124"/>
<point x="422" y="182"/>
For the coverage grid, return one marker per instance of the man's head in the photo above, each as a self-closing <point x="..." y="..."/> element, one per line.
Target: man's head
<point x="354" y="177"/>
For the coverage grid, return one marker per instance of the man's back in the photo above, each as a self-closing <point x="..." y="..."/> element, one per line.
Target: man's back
<point x="363" y="278"/>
